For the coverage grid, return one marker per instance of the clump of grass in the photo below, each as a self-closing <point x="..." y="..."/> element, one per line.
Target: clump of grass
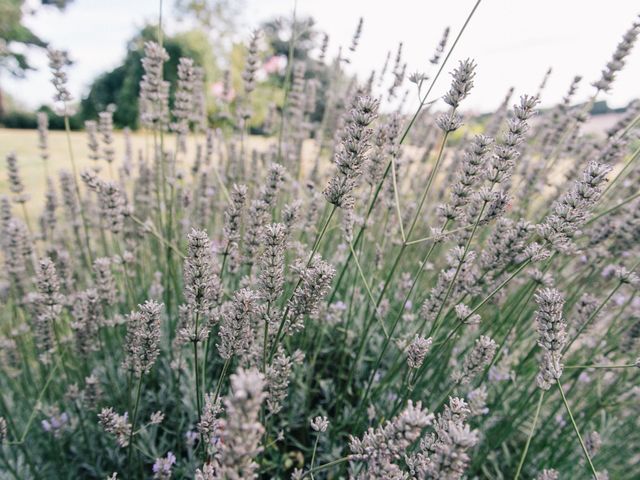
<point x="404" y="304"/>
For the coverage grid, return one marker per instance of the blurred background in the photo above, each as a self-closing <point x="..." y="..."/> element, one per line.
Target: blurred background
<point x="105" y="41"/>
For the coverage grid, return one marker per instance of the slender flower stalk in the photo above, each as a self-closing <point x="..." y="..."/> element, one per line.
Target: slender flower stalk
<point x="58" y="61"/>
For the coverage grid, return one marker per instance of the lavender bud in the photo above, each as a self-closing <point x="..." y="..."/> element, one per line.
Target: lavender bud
<point x="351" y="152"/>
<point x="116" y="425"/>
<point x="462" y="83"/>
<point x="235" y="330"/>
<point x="315" y="281"/>
<point x="15" y="180"/>
<point x="320" y="424"/>
<point x="271" y="279"/>
<point x="551" y="328"/>
<point x="154" y="91"/>
<point x="618" y="60"/>
<point x="251" y="64"/>
<point x="548" y="474"/>
<point x="380" y="448"/>
<point x="210" y="422"/>
<point x="105" y="283"/>
<point x="143" y="338"/>
<point x="43" y="135"/>
<point x="162" y="467"/>
<point x="202" y="287"/>
<point x="242" y="430"/>
<point x="183" y="103"/>
<point x="105" y="127"/>
<point x="481" y="356"/>
<point x="58" y="61"/>
<point x="417" y="350"/>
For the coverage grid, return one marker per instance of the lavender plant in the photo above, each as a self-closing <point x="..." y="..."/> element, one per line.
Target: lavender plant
<point x="413" y="300"/>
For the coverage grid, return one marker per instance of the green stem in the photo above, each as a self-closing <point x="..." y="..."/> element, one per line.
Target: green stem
<point x="36" y="405"/>
<point x="631" y="365"/>
<point x="575" y="428"/>
<point x="67" y="129"/>
<point x="397" y="198"/>
<point x="591" y="317"/>
<point x="225" y="367"/>
<point x="133" y="424"/>
<point x="614" y="208"/>
<point x="326" y="465"/>
<point x="530" y="437"/>
<point x="436" y="325"/>
<point x="313" y="454"/>
<point x="619" y="175"/>
<point x="366" y="286"/>
<point x="149" y="228"/>
<point x="265" y="338"/>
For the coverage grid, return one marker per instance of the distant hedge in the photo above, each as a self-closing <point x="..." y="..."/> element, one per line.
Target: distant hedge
<point x="22" y="119"/>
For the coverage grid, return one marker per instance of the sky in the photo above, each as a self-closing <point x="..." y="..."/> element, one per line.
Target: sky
<point x="513" y="42"/>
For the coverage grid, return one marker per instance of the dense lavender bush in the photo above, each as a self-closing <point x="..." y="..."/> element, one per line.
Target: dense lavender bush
<point x="201" y="309"/>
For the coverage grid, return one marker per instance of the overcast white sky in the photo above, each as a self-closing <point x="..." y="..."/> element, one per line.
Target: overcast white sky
<point x="513" y="42"/>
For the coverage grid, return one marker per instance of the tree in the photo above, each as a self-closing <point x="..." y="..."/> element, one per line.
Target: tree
<point x="278" y="33"/>
<point x="218" y="18"/>
<point x="121" y="85"/>
<point x="14" y="34"/>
